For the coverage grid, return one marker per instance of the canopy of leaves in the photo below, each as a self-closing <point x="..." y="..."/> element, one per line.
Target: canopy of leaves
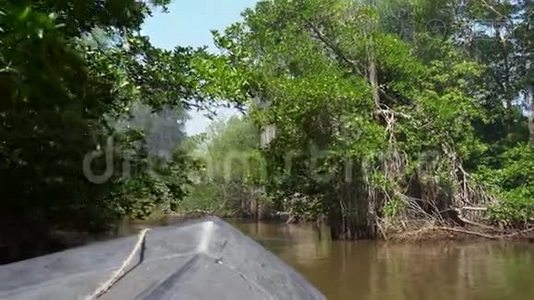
<point x="69" y="71"/>
<point x="381" y="85"/>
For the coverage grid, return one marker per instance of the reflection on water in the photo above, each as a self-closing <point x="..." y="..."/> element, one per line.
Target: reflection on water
<point x="373" y="270"/>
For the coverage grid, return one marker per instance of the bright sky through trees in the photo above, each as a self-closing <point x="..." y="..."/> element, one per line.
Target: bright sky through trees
<point x="189" y="23"/>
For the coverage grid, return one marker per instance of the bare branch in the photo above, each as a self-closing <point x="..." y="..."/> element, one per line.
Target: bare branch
<point x="493" y="9"/>
<point x="335" y="48"/>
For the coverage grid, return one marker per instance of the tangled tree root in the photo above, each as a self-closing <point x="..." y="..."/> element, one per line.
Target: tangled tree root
<point x="522" y="233"/>
<point x="455" y="233"/>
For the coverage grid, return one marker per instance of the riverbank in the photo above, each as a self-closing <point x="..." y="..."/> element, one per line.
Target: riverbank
<point x="61" y="240"/>
<point x="426" y="232"/>
<point x="431" y="234"/>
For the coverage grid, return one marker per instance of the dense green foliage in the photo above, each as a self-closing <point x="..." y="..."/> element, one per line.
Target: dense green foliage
<point x="229" y="183"/>
<point x="371" y="114"/>
<point x="511" y="178"/>
<point x="389" y="109"/>
<point x="75" y="152"/>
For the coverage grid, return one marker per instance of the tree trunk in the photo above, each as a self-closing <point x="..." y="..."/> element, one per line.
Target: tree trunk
<point x="509" y="114"/>
<point x="530" y="111"/>
<point x="349" y="217"/>
<point x="371" y="201"/>
<point x="373" y="80"/>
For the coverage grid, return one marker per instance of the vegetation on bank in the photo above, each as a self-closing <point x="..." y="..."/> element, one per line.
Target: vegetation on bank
<point x="232" y="171"/>
<point x="87" y="113"/>
<point x="394" y="115"/>
<point x="374" y="117"/>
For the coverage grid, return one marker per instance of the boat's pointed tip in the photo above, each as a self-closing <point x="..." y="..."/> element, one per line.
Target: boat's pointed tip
<point x="214" y="221"/>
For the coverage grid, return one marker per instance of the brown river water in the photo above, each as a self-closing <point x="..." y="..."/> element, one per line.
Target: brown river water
<point x="371" y="270"/>
<point x="381" y="271"/>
